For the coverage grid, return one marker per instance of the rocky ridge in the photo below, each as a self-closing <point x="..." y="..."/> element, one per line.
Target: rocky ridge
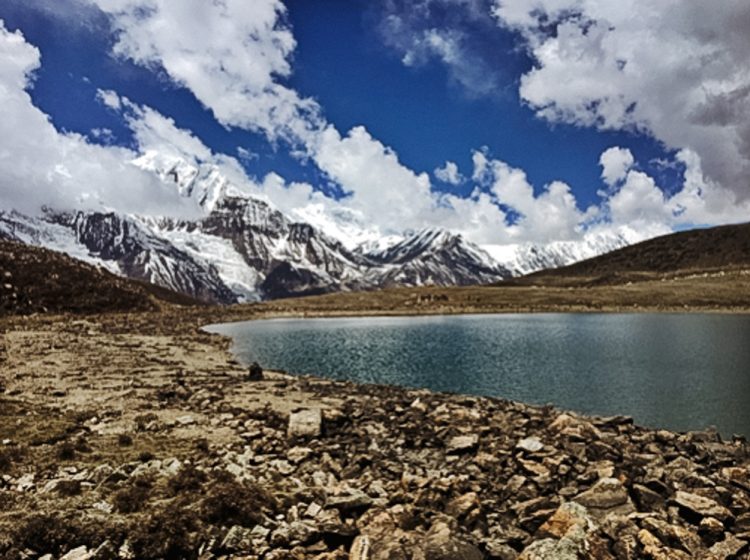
<point x="187" y="454"/>
<point x="239" y="247"/>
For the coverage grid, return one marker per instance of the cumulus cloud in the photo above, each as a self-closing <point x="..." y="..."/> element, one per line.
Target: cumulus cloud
<point x="40" y="165"/>
<point x="449" y="173"/>
<point x="152" y="131"/>
<point x="551" y="215"/>
<point x="675" y="69"/>
<point x="636" y="200"/>
<point x="230" y="54"/>
<point x="615" y="162"/>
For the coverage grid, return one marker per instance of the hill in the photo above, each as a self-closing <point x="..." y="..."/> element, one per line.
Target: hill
<point x="37" y="280"/>
<point x="698" y="251"/>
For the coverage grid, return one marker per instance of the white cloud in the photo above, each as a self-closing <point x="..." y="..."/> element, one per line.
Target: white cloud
<point x="552" y="215"/>
<point x="677" y="69"/>
<point x="40" y="165"/>
<point x="233" y="64"/>
<point x="246" y="155"/>
<point x="377" y="182"/>
<point x="615" y="162"/>
<point x="230" y="54"/>
<point x="109" y="98"/>
<point x="639" y="201"/>
<point x="449" y="173"/>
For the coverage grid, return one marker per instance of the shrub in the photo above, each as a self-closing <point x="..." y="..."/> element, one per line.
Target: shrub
<point x="143" y="420"/>
<point x="9" y="456"/>
<point x="145" y="456"/>
<point x="48" y="534"/>
<point x="68" y="487"/>
<point x="188" y="479"/>
<point x="229" y="502"/>
<point x="66" y="451"/>
<point x="202" y="445"/>
<point x="170" y="533"/>
<point x="134" y="497"/>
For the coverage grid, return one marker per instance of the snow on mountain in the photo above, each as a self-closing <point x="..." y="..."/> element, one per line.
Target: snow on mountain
<point x="204" y="183"/>
<point x="39" y="232"/>
<point x="234" y="272"/>
<point x="525" y="258"/>
<point x="243" y="248"/>
<point x="436" y="256"/>
<point x="141" y="254"/>
<point x="344" y="224"/>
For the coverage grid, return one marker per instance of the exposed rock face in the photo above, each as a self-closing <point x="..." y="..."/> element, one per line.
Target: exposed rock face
<point x="244" y="249"/>
<point x="142" y="255"/>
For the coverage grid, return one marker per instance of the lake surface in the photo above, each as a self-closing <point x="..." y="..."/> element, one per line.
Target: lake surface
<point x="681" y="372"/>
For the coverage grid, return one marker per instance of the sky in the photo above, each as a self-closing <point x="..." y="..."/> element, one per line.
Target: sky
<point x="505" y="120"/>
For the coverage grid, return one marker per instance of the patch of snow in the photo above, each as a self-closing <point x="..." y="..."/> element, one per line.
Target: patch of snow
<point x="40" y="233"/>
<point x="231" y="267"/>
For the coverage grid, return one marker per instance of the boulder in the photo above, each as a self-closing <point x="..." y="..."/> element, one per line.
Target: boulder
<point x="694" y="507"/>
<point x="730" y="547"/>
<point x="254" y="372"/>
<point x="654" y="548"/>
<point x="675" y="535"/>
<point x="354" y="500"/>
<point x="531" y="444"/>
<point x="607" y="493"/>
<point x="570" y="520"/>
<point x="548" y="549"/>
<point x="462" y="444"/>
<point x="459" y="507"/>
<point x="305" y="423"/>
<point x="360" y="549"/>
<point x="80" y="553"/>
<point x="442" y="544"/>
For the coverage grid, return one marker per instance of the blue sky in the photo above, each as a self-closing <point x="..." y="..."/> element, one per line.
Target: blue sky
<point x="429" y="82"/>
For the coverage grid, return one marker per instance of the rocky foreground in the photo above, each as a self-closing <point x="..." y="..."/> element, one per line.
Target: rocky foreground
<point x="136" y="436"/>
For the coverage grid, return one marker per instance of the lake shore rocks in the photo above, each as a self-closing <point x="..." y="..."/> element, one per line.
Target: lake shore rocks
<point x="159" y="445"/>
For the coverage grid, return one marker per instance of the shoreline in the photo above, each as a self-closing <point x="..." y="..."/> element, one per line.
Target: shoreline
<point x="407" y="472"/>
<point x="215" y="328"/>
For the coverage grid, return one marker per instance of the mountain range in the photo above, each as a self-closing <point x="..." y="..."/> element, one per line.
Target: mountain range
<point x="242" y="248"/>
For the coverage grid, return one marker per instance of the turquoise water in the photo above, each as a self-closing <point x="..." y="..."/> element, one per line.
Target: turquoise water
<point x="674" y="371"/>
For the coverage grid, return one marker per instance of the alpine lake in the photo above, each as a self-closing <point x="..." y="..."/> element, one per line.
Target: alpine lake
<point x="674" y="371"/>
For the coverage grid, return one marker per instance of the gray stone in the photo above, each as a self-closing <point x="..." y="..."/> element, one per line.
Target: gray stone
<point x="462" y="444"/>
<point x="305" y="423"/>
<point x="550" y="549"/>
<point x="354" y="500"/>
<point x="605" y="494"/>
<point x="238" y="539"/>
<point x="696" y="507"/>
<point x="531" y="444"/>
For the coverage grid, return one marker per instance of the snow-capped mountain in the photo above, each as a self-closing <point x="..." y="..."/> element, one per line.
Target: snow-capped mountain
<point x="242" y="248"/>
<point x="525" y="258"/>
<point x="435" y="256"/>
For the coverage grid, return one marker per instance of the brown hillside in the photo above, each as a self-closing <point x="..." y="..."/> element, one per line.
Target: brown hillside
<point x="698" y="250"/>
<point x="37" y="280"/>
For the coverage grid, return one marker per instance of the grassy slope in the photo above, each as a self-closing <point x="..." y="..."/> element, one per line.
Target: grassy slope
<point x="723" y="248"/>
